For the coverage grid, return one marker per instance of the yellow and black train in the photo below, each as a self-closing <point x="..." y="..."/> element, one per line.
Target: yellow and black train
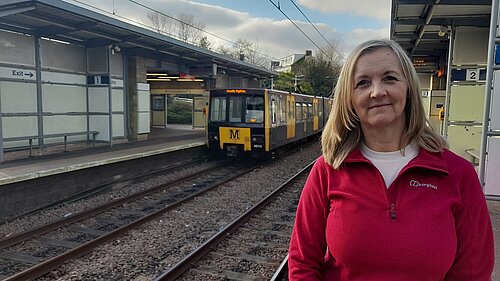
<point x="257" y="121"/>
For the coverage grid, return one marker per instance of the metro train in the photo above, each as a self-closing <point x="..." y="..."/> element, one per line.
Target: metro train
<point x="258" y="121"/>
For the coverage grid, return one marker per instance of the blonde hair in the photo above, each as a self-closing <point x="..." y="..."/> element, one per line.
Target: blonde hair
<point x="342" y="132"/>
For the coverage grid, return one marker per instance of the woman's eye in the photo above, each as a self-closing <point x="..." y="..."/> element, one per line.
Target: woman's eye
<point x="362" y="83"/>
<point x="390" y="78"/>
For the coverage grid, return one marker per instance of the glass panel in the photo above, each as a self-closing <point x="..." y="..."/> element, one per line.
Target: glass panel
<point x="298" y="112"/>
<point x="255" y="110"/>
<point x="218" y="109"/>
<point x="283" y="110"/>
<point x="235" y="106"/>
<point x="273" y="111"/>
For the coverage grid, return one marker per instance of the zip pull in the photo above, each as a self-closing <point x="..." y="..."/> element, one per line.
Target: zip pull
<point x="393" y="211"/>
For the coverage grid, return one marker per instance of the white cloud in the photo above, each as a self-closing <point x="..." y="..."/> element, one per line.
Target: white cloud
<point x="277" y="38"/>
<point x="377" y="9"/>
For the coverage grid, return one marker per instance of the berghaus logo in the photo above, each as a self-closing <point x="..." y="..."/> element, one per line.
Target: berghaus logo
<point x="414" y="183"/>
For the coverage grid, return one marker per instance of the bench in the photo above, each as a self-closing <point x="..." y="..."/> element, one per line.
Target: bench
<point x="475" y="156"/>
<point x="64" y="135"/>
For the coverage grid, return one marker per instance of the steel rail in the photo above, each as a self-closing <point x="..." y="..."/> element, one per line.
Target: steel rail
<point x="55" y="262"/>
<point x="182" y="266"/>
<point x="280" y="273"/>
<point x="23" y="236"/>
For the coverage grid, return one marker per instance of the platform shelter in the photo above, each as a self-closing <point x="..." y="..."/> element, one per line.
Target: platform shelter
<point x="71" y="74"/>
<point x="452" y="44"/>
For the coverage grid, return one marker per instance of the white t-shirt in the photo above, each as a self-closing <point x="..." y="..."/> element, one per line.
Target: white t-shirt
<point x="390" y="164"/>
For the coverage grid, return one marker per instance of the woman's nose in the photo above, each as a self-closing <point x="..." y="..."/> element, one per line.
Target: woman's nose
<point x="378" y="90"/>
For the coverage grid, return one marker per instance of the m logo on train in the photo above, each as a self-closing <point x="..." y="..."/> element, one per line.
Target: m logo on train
<point x="234" y="134"/>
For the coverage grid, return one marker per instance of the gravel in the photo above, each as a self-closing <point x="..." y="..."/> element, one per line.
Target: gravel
<point x="144" y="253"/>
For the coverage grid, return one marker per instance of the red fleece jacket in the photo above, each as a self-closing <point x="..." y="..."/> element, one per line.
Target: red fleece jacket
<point x="431" y="224"/>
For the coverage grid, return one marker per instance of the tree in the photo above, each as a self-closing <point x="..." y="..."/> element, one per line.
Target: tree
<point x="160" y="23"/>
<point x="204" y="43"/>
<point x="285" y="82"/>
<point x="246" y="50"/>
<point x="321" y="71"/>
<point x="221" y="49"/>
<point x="188" y="30"/>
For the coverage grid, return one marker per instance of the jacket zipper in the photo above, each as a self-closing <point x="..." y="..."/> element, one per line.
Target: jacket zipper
<point x="393" y="211"/>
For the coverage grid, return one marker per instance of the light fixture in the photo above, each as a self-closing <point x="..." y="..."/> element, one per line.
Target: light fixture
<point x="442" y="30"/>
<point x="115" y="48"/>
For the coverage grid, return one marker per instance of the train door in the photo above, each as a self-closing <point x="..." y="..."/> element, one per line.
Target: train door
<point x="315" y="114"/>
<point x="290" y="116"/>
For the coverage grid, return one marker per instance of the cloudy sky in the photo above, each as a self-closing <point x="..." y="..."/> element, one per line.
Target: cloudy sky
<point x="344" y="23"/>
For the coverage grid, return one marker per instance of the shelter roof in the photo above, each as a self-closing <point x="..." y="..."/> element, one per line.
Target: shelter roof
<point x="66" y="22"/>
<point x="416" y="25"/>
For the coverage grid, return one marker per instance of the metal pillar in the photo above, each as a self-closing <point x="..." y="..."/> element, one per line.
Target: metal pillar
<point x="451" y="34"/>
<point x="488" y="95"/>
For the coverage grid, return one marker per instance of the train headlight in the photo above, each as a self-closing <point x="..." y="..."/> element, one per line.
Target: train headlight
<point x="257" y="139"/>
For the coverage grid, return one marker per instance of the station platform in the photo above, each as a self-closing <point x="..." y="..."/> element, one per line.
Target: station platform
<point x="18" y="166"/>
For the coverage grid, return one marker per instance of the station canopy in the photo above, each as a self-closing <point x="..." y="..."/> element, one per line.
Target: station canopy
<point x="66" y="22"/>
<point x="421" y="26"/>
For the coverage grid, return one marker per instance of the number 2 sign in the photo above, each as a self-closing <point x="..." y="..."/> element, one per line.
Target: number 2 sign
<point x="472" y="75"/>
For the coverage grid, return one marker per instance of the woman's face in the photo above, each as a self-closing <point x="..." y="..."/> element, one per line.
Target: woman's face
<point x="380" y="89"/>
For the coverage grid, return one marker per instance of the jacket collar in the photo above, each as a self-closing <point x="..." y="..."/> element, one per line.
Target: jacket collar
<point x="424" y="159"/>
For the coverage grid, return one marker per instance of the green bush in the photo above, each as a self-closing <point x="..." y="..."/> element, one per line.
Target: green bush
<point x="179" y="112"/>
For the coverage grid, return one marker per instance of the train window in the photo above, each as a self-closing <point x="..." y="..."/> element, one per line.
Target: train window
<point x="283" y="110"/>
<point x="218" y="109"/>
<point x="273" y="111"/>
<point x="255" y="110"/>
<point x="309" y="111"/>
<point x="298" y="111"/>
<point x="235" y="109"/>
<point x="320" y="107"/>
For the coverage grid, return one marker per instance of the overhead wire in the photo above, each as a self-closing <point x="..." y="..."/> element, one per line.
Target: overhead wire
<point x="193" y="26"/>
<point x="309" y="38"/>
<point x="166" y="15"/>
<point x="331" y="46"/>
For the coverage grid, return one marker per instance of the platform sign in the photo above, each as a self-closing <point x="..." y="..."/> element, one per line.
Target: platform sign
<point x="116" y="83"/>
<point x="472" y="75"/>
<point x="17" y="73"/>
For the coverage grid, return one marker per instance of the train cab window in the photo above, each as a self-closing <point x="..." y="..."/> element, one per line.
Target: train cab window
<point x="218" y="109"/>
<point x="235" y="109"/>
<point x="309" y="111"/>
<point x="254" y="110"/>
<point x="320" y="107"/>
<point x="273" y="111"/>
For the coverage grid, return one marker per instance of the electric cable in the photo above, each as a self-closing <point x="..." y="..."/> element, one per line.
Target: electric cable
<point x="193" y="26"/>
<point x="309" y="38"/>
<point x="333" y="48"/>
<point x="114" y="14"/>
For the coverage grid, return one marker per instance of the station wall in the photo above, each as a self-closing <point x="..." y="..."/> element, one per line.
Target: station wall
<point x="466" y="94"/>
<point x="60" y="93"/>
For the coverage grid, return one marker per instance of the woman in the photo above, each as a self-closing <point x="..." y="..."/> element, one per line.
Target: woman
<point x="386" y="200"/>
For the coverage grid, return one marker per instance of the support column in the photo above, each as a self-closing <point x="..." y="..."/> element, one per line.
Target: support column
<point x="136" y="78"/>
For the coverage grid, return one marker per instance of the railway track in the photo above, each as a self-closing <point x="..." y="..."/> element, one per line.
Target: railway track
<point x="55" y="243"/>
<point x="253" y="247"/>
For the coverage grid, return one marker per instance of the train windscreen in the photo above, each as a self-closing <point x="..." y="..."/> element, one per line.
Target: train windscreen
<point x="218" y="109"/>
<point x="255" y="110"/>
<point x="240" y="109"/>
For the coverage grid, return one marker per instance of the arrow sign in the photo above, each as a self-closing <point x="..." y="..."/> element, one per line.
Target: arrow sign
<point x="13" y="73"/>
